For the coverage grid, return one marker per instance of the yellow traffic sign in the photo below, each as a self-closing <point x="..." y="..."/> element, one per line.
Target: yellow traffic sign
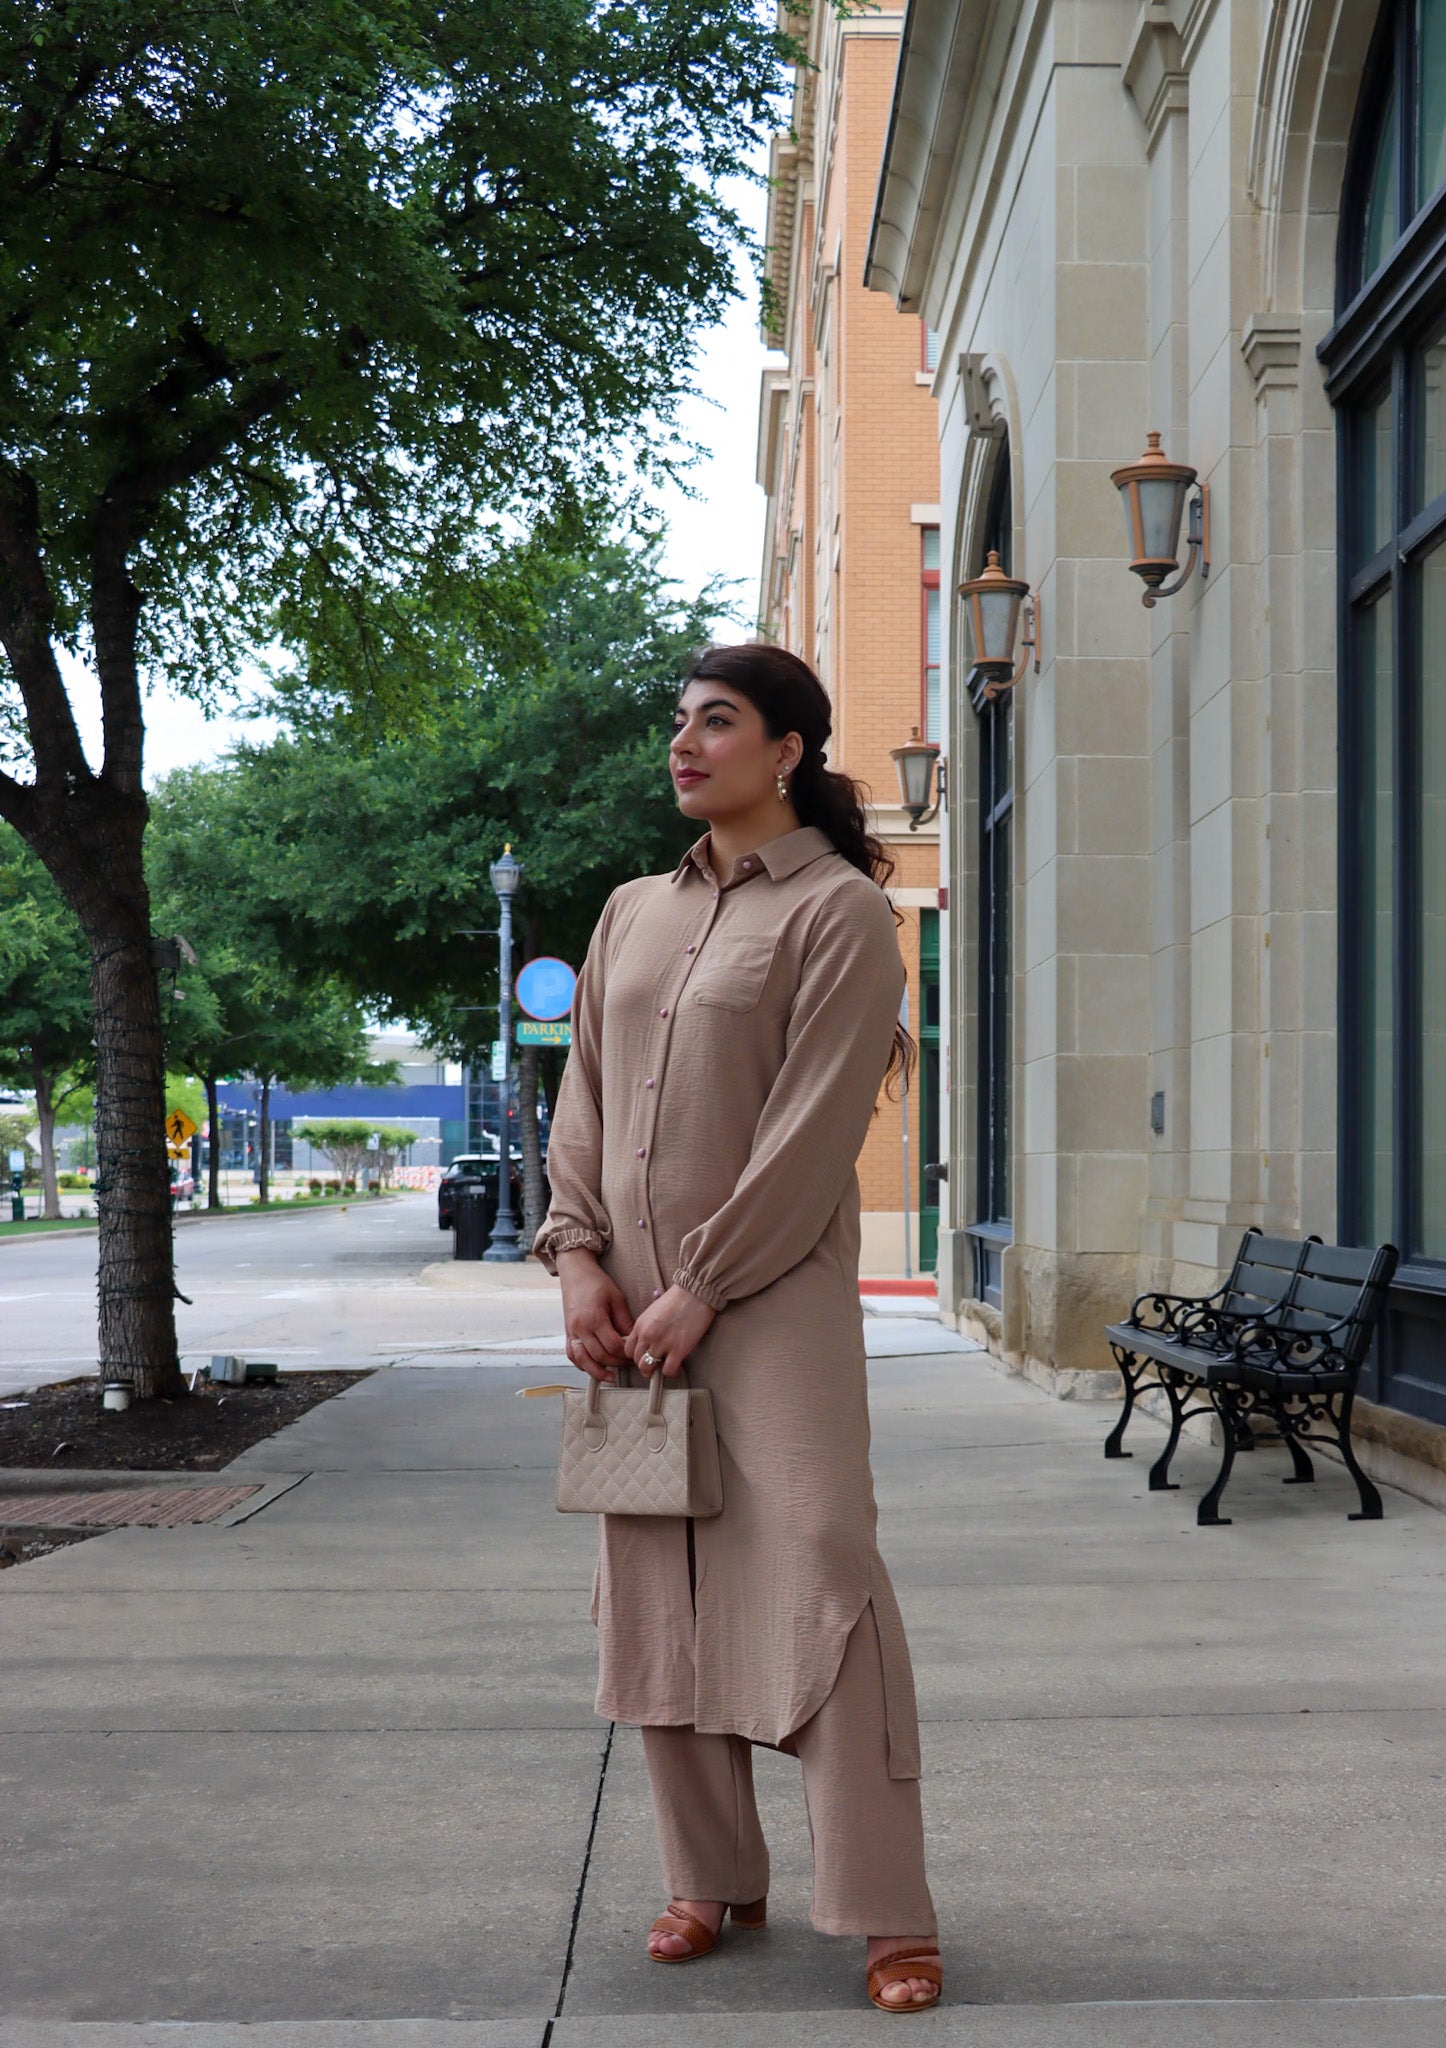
<point x="179" y="1128"/>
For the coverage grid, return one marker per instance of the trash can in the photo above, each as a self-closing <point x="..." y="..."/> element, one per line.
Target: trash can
<point x="476" y="1213"/>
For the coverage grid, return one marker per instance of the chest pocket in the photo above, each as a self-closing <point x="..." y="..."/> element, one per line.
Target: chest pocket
<point x="732" y="972"/>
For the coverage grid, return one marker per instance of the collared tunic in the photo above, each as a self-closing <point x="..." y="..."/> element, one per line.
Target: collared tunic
<point x="728" y="1046"/>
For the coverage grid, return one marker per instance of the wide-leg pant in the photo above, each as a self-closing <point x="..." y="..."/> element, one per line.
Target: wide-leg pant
<point x="866" y="1828"/>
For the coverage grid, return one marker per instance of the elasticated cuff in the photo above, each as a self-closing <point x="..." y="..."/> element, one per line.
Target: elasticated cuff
<point x="549" y="1245"/>
<point x="714" y="1297"/>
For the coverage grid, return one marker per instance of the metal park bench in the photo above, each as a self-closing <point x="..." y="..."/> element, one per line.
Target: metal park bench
<point x="1284" y="1338"/>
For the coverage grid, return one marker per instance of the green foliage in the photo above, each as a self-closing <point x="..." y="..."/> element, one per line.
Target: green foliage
<point x="44" y="971"/>
<point x="187" y="1094"/>
<point x="342" y="1140"/>
<point x="306" y="306"/>
<point x="368" y="861"/>
<point x="14" y="1126"/>
<point x="249" y="1006"/>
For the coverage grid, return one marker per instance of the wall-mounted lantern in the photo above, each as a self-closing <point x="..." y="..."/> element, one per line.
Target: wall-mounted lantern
<point x="914" y="765"/>
<point x="1153" y="492"/>
<point x="992" y="604"/>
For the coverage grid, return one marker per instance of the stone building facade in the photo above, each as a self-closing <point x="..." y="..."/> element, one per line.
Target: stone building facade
<point x="1195" y="964"/>
<point x="848" y="457"/>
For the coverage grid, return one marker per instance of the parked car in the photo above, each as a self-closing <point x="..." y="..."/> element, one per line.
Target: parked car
<point x="183" y="1183"/>
<point x="474" y="1169"/>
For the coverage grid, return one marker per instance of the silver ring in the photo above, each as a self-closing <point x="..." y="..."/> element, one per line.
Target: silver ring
<point x="648" y="1358"/>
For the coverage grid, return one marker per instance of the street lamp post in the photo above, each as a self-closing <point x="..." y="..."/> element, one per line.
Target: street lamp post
<point x="502" y="1246"/>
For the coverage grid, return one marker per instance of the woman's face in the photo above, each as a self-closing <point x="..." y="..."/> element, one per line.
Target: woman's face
<point x="722" y="761"/>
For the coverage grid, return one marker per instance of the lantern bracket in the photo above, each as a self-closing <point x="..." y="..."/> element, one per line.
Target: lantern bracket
<point x="941" y="798"/>
<point x="1197" y="537"/>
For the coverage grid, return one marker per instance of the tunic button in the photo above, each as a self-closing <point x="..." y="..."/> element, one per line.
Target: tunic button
<point x="690" y="949"/>
<point x="642" y="1223"/>
<point x="648" y="1084"/>
<point x="747" y="863"/>
<point x="656" y="1292"/>
<point x="641" y="1150"/>
<point x="662" y="1013"/>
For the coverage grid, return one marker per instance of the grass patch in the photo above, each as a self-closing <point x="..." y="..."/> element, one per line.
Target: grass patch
<point x="33" y="1226"/>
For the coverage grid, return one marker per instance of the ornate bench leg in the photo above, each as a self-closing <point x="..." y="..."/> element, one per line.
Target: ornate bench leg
<point x="1132" y="1372"/>
<point x="1371" y="1507"/>
<point x="1225" y="1403"/>
<point x="1304" y="1472"/>
<point x="1160" y="1480"/>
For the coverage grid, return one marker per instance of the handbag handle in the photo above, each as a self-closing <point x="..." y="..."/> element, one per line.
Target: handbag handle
<point x="595" y="1428"/>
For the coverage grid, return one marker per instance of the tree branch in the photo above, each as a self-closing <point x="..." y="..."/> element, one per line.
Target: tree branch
<point x="126" y="507"/>
<point x="27" y="612"/>
<point x="17" y="803"/>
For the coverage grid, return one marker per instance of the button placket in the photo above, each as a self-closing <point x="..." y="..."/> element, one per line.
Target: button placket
<point x="667" y="1012"/>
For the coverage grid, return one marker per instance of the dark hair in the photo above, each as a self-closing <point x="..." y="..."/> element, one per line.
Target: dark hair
<point x="790" y="698"/>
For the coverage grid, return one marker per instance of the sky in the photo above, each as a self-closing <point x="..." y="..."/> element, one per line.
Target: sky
<point x="717" y="531"/>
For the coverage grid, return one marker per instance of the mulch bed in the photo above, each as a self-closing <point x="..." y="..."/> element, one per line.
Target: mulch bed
<point x="64" y="1428"/>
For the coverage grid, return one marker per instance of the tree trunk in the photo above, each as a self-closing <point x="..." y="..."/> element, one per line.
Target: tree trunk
<point x="45" y="1112"/>
<point x="551" y="1076"/>
<point x="137" y="1284"/>
<point x="213" y="1162"/>
<point x="264" y="1138"/>
<point x="534" y="1206"/>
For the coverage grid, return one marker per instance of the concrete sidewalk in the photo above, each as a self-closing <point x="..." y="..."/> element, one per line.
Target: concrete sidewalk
<point x="331" y="1778"/>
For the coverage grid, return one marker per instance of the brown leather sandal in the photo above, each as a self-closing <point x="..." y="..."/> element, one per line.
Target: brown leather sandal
<point x="923" y="1963"/>
<point x="702" y="1937"/>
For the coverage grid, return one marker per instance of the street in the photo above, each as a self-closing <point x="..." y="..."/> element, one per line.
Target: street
<point x="326" y="1287"/>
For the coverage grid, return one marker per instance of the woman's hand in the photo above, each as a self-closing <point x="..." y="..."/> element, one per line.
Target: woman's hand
<point x="594" y="1312"/>
<point x="669" y="1328"/>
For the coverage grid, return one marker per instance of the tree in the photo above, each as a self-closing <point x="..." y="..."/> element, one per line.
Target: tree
<point x="392" y="1142"/>
<point x="373" y="861"/>
<point x="45" y="1025"/>
<point x="342" y="1140"/>
<point x="251" y="1006"/>
<point x="302" y="306"/>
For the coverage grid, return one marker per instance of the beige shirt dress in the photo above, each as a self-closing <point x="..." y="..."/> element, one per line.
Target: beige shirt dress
<point x="728" y="1047"/>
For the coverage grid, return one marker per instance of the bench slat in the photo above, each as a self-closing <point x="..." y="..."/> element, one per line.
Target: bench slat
<point x="1344" y="1262"/>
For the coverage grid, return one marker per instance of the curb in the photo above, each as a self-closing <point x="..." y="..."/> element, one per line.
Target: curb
<point x="237" y="1209"/>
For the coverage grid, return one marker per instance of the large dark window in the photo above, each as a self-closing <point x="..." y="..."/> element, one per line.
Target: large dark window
<point x="1386" y="371"/>
<point x="994" y="1194"/>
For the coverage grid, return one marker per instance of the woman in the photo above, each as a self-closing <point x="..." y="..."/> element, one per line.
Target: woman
<point x="732" y="1024"/>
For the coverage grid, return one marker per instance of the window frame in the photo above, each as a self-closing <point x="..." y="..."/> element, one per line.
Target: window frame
<point x="993" y="1228"/>
<point x="929" y="583"/>
<point x="1382" y="323"/>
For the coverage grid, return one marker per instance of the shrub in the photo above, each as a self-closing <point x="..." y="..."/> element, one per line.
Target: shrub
<point x="314" y="1186"/>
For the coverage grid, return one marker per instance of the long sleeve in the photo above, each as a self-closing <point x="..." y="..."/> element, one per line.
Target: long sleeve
<point x="816" y="1117"/>
<point x="576" y="1215"/>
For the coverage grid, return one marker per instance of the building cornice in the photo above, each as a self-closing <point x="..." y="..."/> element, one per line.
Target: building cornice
<point x="934" y="91"/>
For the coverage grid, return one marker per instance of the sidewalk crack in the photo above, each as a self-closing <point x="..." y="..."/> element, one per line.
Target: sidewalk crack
<point x="581" y="1888"/>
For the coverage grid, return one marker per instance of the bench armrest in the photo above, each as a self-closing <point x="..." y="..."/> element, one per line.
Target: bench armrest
<point x="1264" y="1343"/>
<point x="1169" y="1310"/>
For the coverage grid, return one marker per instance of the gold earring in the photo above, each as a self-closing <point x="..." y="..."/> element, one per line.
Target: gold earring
<point x="782" y="788"/>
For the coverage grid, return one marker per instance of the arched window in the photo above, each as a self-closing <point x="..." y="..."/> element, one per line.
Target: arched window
<point x="1385" y="361"/>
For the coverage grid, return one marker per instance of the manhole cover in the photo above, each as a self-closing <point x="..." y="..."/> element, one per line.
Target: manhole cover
<point x="147" y="1507"/>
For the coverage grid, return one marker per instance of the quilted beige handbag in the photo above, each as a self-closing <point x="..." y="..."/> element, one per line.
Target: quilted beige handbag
<point x="639" y="1451"/>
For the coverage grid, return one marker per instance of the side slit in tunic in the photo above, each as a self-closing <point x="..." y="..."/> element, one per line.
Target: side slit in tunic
<point x="728" y="1047"/>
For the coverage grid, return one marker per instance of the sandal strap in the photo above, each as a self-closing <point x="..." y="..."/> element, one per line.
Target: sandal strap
<point x="698" y="1937"/>
<point x="924" y="1963"/>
